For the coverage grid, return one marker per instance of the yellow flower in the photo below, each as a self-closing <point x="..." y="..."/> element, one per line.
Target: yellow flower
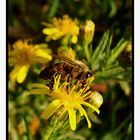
<point x="23" y="55"/>
<point x="67" y="52"/>
<point x="66" y="101"/>
<point x="62" y="28"/>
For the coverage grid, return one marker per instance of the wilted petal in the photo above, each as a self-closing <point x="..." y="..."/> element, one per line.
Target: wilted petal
<point x="72" y="118"/>
<point x="50" y="109"/>
<point x="39" y="86"/>
<point x="22" y="73"/>
<point x="39" y="91"/>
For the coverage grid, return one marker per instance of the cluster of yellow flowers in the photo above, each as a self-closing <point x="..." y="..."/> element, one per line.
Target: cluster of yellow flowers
<point x="65" y="101"/>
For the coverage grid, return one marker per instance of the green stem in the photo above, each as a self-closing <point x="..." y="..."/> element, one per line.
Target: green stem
<point x="26" y="134"/>
<point x="48" y="130"/>
<point x="52" y="128"/>
<point x="87" y="53"/>
<point x="47" y="134"/>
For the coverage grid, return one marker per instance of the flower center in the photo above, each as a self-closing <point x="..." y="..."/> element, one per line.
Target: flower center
<point x="25" y="56"/>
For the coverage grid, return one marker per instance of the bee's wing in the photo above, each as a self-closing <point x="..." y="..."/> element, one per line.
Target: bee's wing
<point x="66" y="60"/>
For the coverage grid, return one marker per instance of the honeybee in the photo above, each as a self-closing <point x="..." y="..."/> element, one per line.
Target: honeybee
<point x="69" y="70"/>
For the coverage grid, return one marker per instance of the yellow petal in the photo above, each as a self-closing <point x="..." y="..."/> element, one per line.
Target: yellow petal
<point x="43" y="54"/>
<point x="73" y="88"/>
<point x="18" y="44"/>
<point x="91" y="106"/>
<point x="63" y="86"/>
<point x="50" y="31"/>
<point x="57" y="81"/>
<point x="85" y="114"/>
<point x="87" y="95"/>
<point x="72" y="118"/>
<point x="81" y="112"/>
<point x="74" y="39"/>
<point x="50" y="109"/>
<point x="56" y="36"/>
<point x="22" y="73"/>
<point x="14" y="72"/>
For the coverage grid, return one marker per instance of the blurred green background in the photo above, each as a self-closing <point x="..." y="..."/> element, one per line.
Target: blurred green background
<point x="25" y="17"/>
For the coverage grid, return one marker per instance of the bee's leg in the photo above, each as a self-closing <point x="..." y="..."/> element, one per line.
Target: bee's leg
<point x="68" y="79"/>
<point x="83" y="84"/>
<point x="50" y="84"/>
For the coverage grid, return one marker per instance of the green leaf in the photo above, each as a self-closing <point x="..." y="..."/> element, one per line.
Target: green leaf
<point x="99" y="50"/>
<point x="107" y="53"/>
<point x="110" y="72"/>
<point x="117" y="73"/>
<point x="109" y="136"/>
<point x="116" y="51"/>
<point x="53" y="8"/>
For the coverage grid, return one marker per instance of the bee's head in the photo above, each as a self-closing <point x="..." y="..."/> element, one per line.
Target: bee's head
<point x="88" y="74"/>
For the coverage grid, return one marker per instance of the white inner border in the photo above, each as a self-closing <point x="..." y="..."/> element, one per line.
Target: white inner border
<point x="3" y="70"/>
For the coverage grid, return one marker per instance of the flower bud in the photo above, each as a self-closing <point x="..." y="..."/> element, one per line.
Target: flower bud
<point x="96" y="99"/>
<point x="128" y="47"/>
<point x="125" y="58"/>
<point x="87" y="31"/>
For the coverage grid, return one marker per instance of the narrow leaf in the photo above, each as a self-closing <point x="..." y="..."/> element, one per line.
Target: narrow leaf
<point x="116" y="51"/>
